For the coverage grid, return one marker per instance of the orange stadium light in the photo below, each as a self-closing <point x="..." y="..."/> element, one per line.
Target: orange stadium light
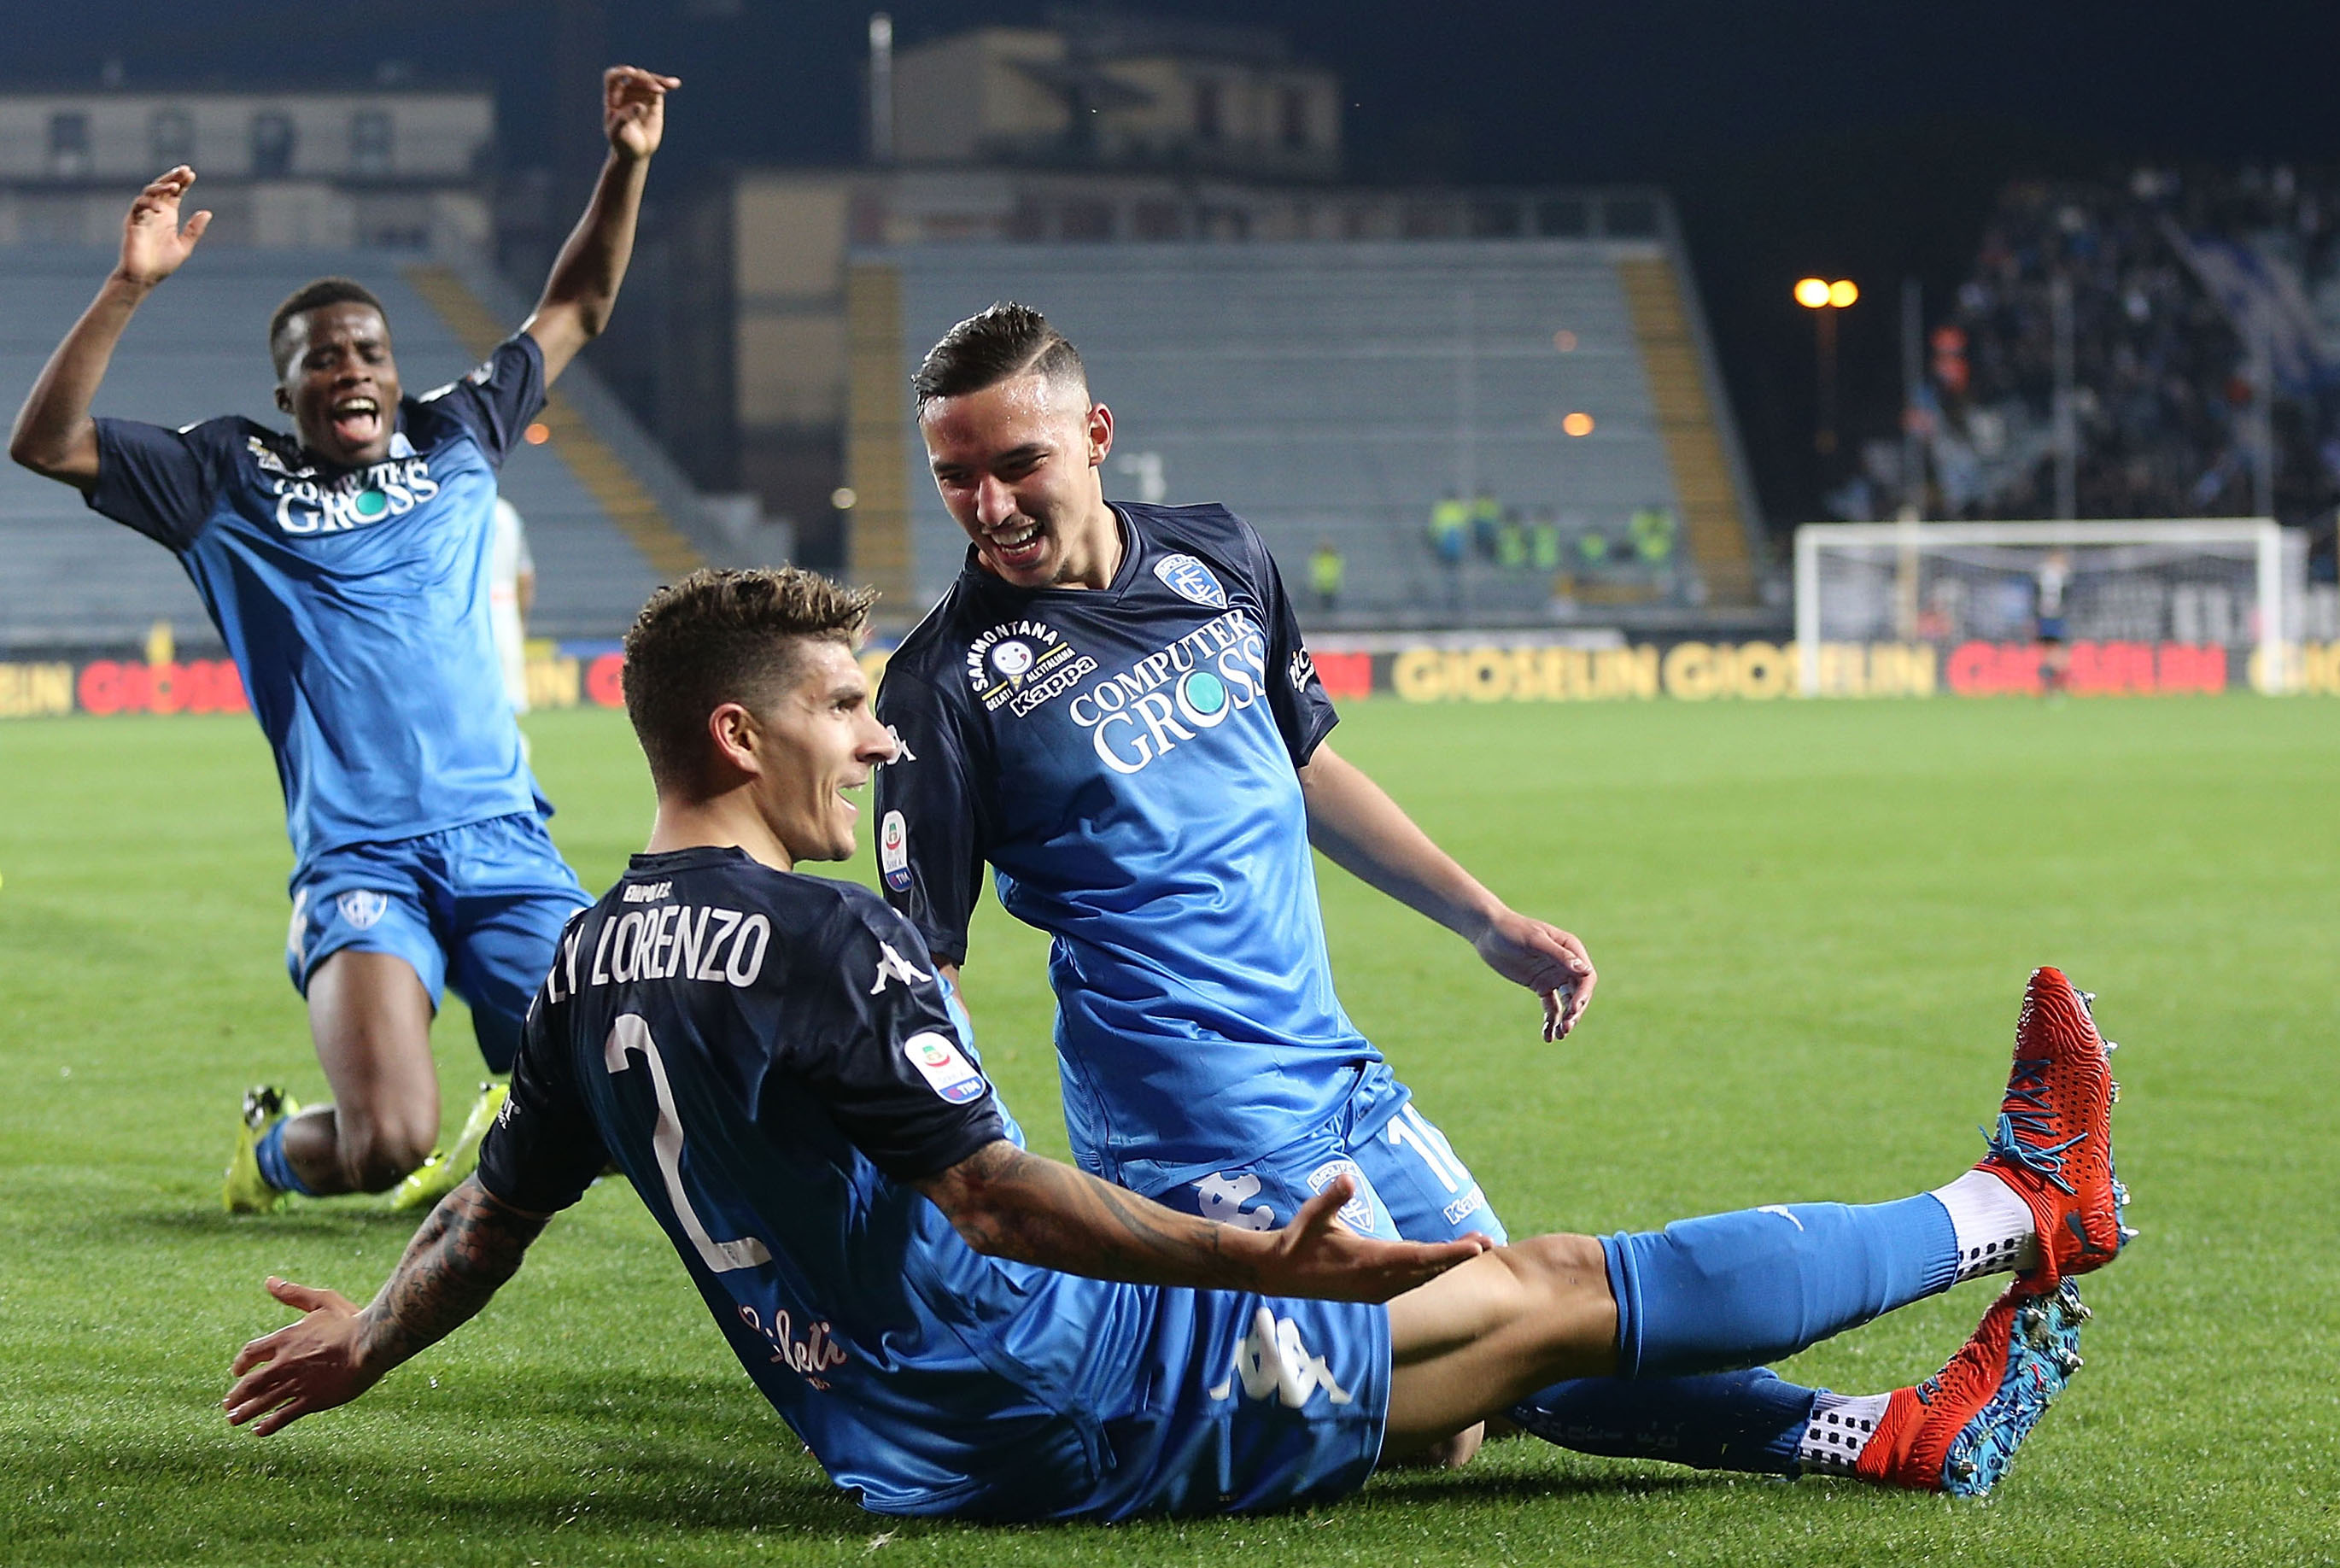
<point x="1842" y="292"/>
<point x="1579" y="423"/>
<point x="1812" y="293"/>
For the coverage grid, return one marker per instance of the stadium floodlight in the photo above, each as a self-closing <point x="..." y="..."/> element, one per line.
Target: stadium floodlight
<point x="2226" y="581"/>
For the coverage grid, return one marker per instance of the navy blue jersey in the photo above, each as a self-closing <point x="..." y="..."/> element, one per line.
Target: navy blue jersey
<point x="355" y="601"/>
<point x="1125" y="759"/>
<point x="771" y="1060"/>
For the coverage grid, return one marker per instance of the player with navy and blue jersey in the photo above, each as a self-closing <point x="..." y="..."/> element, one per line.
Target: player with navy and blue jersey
<point x="1114" y="708"/>
<point x="347" y="566"/>
<point x="773" y="1062"/>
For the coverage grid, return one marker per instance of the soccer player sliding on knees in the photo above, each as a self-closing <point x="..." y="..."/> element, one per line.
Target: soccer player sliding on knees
<point x="956" y="1327"/>
<point x="347" y="567"/>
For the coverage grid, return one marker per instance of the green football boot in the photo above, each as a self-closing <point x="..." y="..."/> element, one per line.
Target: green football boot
<point x="445" y="1169"/>
<point x="247" y="1191"/>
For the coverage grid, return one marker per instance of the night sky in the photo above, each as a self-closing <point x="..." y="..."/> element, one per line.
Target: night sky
<point x="1856" y="140"/>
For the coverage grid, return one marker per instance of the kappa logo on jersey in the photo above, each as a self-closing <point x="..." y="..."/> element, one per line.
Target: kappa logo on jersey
<point x="892" y="966"/>
<point x="363" y="909"/>
<point x="947" y="1072"/>
<point x="1220" y="1198"/>
<point x="1174" y="693"/>
<point x="902" y="752"/>
<point x="1357" y="1213"/>
<point x="1020" y="665"/>
<point x="893" y="852"/>
<point x="267" y="460"/>
<point x="1271" y="1359"/>
<point x="1190" y="580"/>
<point x="359" y="499"/>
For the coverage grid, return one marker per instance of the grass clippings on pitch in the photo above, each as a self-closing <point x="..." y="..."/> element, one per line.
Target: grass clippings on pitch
<point x="1813" y="921"/>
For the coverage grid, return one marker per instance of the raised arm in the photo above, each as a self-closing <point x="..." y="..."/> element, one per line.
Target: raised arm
<point x="1006" y="1202"/>
<point x="583" y="287"/>
<point x="1365" y="833"/>
<point x="471" y="1242"/>
<point x="54" y="435"/>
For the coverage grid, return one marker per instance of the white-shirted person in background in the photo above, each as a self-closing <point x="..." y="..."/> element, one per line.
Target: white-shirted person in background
<point x="511" y="588"/>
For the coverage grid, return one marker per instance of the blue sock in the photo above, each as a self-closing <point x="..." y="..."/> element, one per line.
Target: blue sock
<point x="1735" y="1290"/>
<point x="1749" y="1421"/>
<point x="274" y="1169"/>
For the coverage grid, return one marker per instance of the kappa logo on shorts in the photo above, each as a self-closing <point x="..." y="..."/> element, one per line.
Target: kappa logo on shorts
<point x="947" y="1072"/>
<point x="363" y="909"/>
<point x="296" y="935"/>
<point x="1190" y="580"/>
<point x="1272" y="1360"/>
<point x="894" y="851"/>
<point x="1220" y="1199"/>
<point x="1357" y="1213"/>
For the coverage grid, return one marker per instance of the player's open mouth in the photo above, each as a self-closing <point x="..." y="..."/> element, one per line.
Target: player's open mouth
<point x="1016" y="549"/>
<point x="357" y="420"/>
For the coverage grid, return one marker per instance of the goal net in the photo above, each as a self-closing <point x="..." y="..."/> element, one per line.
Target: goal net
<point x="2228" y="583"/>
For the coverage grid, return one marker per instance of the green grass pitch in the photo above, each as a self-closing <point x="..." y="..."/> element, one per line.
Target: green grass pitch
<point x="1813" y="923"/>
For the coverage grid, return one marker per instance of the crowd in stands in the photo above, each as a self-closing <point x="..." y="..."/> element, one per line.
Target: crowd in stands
<point x="1535" y="539"/>
<point x="2193" y="295"/>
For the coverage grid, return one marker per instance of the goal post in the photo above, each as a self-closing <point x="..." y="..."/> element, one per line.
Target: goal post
<point x="2230" y="582"/>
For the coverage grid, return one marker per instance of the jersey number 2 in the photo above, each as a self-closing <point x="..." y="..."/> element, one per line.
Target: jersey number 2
<point x="632" y="1033"/>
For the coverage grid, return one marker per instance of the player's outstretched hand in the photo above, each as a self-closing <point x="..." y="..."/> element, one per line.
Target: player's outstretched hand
<point x="633" y="108"/>
<point x="1317" y="1256"/>
<point x="152" y="242"/>
<point x="312" y="1365"/>
<point x="1548" y="961"/>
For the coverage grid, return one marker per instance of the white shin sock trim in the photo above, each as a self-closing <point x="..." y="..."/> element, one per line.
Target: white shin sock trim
<point x="1994" y="1225"/>
<point x="1840" y="1426"/>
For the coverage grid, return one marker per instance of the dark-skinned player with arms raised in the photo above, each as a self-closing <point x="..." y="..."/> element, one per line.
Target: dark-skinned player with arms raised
<point x="347" y="567"/>
<point x="956" y="1327"/>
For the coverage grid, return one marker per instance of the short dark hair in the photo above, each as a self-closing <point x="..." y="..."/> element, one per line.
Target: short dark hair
<point x="723" y="636"/>
<point x="995" y="345"/>
<point x="314" y="296"/>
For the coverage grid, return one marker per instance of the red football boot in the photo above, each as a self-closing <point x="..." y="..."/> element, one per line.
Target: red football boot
<point x="2054" y="1141"/>
<point x="1957" y="1430"/>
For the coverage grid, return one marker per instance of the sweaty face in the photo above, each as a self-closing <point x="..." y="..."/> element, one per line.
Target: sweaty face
<point x="823" y="741"/>
<point x="1016" y="464"/>
<point x="338" y="381"/>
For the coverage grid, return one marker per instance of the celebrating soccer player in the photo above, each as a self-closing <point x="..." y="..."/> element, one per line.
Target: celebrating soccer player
<point x="772" y="1062"/>
<point x="346" y="566"/>
<point x="1113" y="706"/>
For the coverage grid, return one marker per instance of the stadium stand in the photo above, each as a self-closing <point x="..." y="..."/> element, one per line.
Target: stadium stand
<point x="2181" y="286"/>
<point x="606" y="514"/>
<point x="1342" y="393"/>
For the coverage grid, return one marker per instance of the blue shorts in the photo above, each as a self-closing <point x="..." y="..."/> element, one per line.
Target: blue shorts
<point x="1176" y="1402"/>
<point x="1410" y="1184"/>
<point x="480" y="906"/>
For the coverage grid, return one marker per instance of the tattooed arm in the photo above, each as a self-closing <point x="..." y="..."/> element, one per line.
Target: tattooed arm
<point x="1008" y="1203"/>
<point x="469" y="1246"/>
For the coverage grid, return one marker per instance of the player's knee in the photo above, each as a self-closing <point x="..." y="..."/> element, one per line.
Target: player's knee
<point x="377" y="1156"/>
<point x="1563" y="1281"/>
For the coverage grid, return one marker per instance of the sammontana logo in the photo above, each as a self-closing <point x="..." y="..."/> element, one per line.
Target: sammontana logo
<point x="1019" y="665"/>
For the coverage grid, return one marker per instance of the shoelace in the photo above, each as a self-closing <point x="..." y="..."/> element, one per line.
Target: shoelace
<point x="2029" y="1084"/>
